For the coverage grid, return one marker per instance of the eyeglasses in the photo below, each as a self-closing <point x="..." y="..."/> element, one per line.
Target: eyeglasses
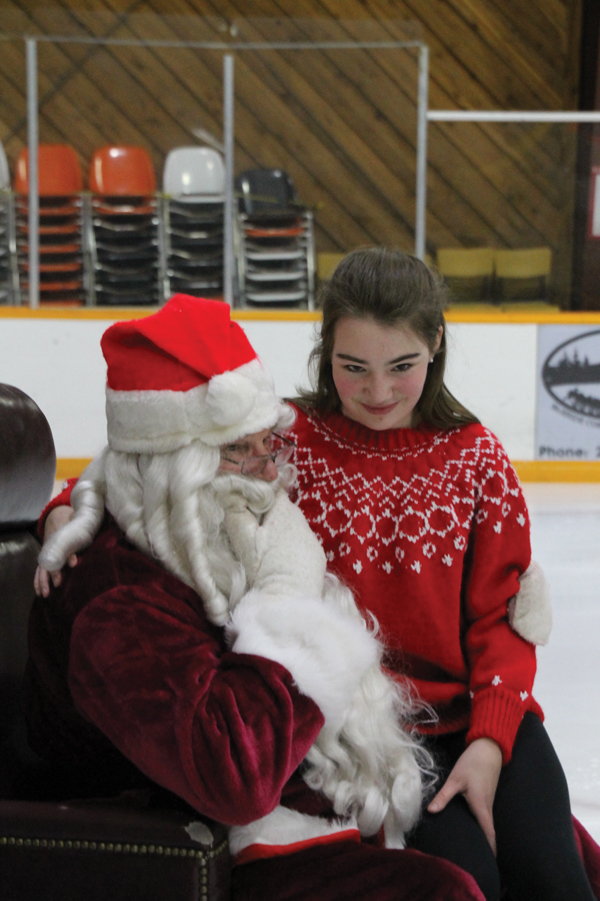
<point x="280" y="452"/>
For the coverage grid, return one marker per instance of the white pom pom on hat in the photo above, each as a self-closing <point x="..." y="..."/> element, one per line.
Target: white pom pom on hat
<point x="230" y="398"/>
<point x="184" y="373"/>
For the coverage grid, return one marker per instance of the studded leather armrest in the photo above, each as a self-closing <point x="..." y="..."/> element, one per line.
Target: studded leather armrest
<point x="99" y="850"/>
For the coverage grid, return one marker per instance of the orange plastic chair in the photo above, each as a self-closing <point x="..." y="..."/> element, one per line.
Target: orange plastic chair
<point x="122" y="172"/>
<point x="59" y="172"/>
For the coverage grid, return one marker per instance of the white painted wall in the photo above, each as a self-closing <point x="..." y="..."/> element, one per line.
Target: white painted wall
<point x="58" y="362"/>
<point x="492" y="371"/>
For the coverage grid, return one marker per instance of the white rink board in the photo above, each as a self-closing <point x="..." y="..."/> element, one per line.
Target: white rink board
<point x="58" y="362"/>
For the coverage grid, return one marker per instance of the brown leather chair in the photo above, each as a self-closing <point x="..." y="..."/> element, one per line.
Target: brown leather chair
<point x="140" y="846"/>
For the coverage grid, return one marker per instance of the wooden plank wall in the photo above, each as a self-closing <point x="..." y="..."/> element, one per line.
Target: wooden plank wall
<point x="342" y="123"/>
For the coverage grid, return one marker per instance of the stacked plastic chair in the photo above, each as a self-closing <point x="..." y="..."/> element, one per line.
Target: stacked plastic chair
<point x="193" y="214"/>
<point x="522" y="274"/>
<point x="9" y="279"/>
<point x="468" y="271"/>
<point x="124" y="227"/>
<point x="60" y="182"/>
<point x="275" y="242"/>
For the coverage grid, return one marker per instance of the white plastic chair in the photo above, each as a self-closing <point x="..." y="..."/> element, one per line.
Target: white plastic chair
<point x="193" y="217"/>
<point x="197" y="173"/>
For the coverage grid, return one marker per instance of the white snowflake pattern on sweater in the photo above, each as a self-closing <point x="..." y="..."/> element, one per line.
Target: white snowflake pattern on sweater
<point x="423" y="514"/>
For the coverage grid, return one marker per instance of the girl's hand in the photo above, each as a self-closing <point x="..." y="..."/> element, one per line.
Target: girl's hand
<point x="475" y="775"/>
<point x="57" y="518"/>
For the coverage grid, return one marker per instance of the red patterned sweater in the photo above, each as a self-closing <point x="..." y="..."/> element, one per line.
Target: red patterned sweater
<point x="431" y="531"/>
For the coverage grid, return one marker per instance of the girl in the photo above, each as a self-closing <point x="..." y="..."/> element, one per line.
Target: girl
<point x="421" y="513"/>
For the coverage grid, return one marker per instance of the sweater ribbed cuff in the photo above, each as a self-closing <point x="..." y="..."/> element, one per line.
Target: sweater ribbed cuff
<point x="496" y="714"/>
<point x="64" y="498"/>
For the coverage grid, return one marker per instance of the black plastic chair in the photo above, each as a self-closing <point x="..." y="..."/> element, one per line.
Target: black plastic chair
<point x="266" y="192"/>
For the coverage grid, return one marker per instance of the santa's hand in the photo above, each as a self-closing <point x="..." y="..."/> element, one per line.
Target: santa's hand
<point x="56" y="519"/>
<point x="475" y="775"/>
<point x="291" y="559"/>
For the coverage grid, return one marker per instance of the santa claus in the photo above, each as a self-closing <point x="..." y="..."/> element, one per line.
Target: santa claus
<point x="201" y="642"/>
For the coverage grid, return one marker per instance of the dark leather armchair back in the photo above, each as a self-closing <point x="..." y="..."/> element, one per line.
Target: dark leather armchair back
<point x="131" y="848"/>
<point x="27" y="459"/>
<point x="27" y="470"/>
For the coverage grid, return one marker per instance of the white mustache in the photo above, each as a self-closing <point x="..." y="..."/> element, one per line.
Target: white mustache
<point x="260" y="495"/>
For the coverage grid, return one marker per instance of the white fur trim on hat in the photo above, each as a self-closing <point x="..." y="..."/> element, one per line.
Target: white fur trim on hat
<point x="530" y="611"/>
<point x="226" y="408"/>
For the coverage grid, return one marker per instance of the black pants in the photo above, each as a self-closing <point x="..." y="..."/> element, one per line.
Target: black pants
<point x="537" y="859"/>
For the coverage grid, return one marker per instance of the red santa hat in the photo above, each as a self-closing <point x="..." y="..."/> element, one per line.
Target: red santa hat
<point x="184" y="373"/>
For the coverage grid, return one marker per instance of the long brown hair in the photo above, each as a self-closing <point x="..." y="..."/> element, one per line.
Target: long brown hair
<point x="392" y="288"/>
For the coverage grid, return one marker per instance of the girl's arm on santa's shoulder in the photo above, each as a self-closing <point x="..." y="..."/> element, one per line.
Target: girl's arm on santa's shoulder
<point x="43" y="579"/>
<point x="57" y="513"/>
<point x="502" y="664"/>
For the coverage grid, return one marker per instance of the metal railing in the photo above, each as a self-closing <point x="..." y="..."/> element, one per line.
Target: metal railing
<point x="228" y="127"/>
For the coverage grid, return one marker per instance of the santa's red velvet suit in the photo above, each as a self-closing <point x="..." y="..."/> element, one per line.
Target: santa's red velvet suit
<point x="125" y="667"/>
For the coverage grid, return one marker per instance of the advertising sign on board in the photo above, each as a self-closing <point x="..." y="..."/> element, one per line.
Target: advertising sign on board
<point x="568" y="393"/>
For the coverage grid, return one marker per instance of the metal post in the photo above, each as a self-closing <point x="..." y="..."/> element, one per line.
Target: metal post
<point x="421" y="189"/>
<point x="459" y="115"/>
<point x="34" y="201"/>
<point x="228" y="127"/>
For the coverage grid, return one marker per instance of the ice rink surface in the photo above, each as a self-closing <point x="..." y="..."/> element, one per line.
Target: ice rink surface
<point x="565" y="523"/>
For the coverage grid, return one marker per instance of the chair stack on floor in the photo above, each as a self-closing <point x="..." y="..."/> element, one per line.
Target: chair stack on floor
<point x="275" y="242"/>
<point x="193" y="222"/>
<point x="60" y="183"/>
<point x="124" y="231"/>
<point x="9" y="277"/>
<point x="120" y="244"/>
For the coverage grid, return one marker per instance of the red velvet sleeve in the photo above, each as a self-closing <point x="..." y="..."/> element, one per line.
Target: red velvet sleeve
<point x="502" y="664"/>
<point x="62" y="499"/>
<point x="224" y="731"/>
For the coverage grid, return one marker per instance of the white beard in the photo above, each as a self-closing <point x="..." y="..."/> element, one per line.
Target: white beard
<point x="226" y="570"/>
<point x="363" y="760"/>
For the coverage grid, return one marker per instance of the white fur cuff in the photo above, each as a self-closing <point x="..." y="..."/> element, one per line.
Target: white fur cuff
<point x="326" y="651"/>
<point x="284" y="827"/>
<point x="530" y="611"/>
